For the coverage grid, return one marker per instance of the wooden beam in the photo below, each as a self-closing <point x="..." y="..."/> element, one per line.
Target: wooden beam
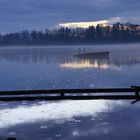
<point x="96" y="90"/>
<point x="72" y="94"/>
<point x="99" y="97"/>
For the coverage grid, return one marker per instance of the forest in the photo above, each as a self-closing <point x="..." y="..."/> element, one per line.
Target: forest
<point x="116" y="33"/>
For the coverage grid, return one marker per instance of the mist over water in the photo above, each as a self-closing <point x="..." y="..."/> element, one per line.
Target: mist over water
<point x="56" y="67"/>
<point x="23" y="68"/>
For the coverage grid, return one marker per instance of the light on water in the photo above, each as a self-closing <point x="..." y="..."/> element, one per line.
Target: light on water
<point x="84" y="64"/>
<point x="49" y="111"/>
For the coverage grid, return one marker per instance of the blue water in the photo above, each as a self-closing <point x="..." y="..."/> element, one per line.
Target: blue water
<point x="56" y="67"/>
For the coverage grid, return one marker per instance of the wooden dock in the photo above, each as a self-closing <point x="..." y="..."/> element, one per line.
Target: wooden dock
<point x="131" y="93"/>
<point x="94" y="55"/>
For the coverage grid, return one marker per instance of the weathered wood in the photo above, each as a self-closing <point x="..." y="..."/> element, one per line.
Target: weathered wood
<point x="96" y="90"/>
<point x="100" y="97"/>
<point x="94" y="54"/>
<point x="73" y="94"/>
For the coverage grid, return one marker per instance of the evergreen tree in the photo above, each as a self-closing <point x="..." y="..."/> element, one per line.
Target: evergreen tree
<point x="99" y="32"/>
<point x="90" y="33"/>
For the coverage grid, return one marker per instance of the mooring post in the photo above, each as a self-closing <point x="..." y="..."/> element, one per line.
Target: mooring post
<point x="137" y="93"/>
<point x="62" y="94"/>
<point x="137" y="90"/>
<point x="84" y="50"/>
<point x="79" y="50"/>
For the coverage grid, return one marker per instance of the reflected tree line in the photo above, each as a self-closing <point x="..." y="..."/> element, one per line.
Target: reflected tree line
<point x="100" y="34"/>
<point x="66" y="58"/>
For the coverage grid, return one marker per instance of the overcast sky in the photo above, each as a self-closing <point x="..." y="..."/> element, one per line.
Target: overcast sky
<point x="16" y="15"/>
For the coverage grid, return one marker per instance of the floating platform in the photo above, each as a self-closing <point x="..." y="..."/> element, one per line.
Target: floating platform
<point x="93" y="55"/>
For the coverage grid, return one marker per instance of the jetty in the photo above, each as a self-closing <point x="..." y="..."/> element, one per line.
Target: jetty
<point x="131" y="93"/>
<point x="92" y="55"/>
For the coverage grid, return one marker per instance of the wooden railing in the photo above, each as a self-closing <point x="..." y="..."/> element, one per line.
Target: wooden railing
<point x="131" y="93"/>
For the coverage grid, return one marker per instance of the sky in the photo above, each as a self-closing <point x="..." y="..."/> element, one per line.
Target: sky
<point x="17" y="15"/>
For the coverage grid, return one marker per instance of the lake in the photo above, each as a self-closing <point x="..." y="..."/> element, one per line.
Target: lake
<point x="55" y="67"/>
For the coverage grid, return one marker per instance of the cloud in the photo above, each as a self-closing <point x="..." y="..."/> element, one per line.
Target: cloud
<point x="83" y="24"/>
<point x="106" y="22"/>
<point x="31" y="14"/>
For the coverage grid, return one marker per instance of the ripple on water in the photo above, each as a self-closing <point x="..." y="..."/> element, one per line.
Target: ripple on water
<point x="49" y="138"/>
<point x="12" y="133"/>
<point x="41" y="102"/>
<point x="92" y="119"/>
<point x="58" y="135"/>
<point x="104" y="123"/>
<point x="70" y="119"/>
<point x="43" y="127"/>
<point x="60" y="121"/>
<point x="24" y="103"/>
<point x="91" y="85"/>
<point x="2" y="104"/>
<point x="77" y="121"/>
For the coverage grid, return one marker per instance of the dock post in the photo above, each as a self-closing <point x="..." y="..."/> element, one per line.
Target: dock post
<point x="79" y="50"/>
<point x="137" y="89"/>
<point x="84" y="50"/>
<point x="62" y="94"/>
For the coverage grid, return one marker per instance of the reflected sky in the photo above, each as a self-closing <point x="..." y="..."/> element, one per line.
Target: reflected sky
<point x="56" y="67"/>
<point x="87" y="64"/>
<point x="70" y="120"/>
<point x="26" y="112"/>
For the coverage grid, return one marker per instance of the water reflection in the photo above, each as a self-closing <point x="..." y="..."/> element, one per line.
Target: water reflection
<point x="65" y="57"/>
<point x="46" y="111"/>
<point x="85" y="64"/>
<point x="47" y="68"/>
<point x="81" y="120"/>
<point x="101" y="61"/>
<point x="36" y="55"/>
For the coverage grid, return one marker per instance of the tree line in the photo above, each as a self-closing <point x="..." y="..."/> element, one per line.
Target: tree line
<point x="116" y="33"/>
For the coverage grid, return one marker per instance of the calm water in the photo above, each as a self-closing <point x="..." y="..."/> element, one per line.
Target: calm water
<point x="56" y="67"/>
